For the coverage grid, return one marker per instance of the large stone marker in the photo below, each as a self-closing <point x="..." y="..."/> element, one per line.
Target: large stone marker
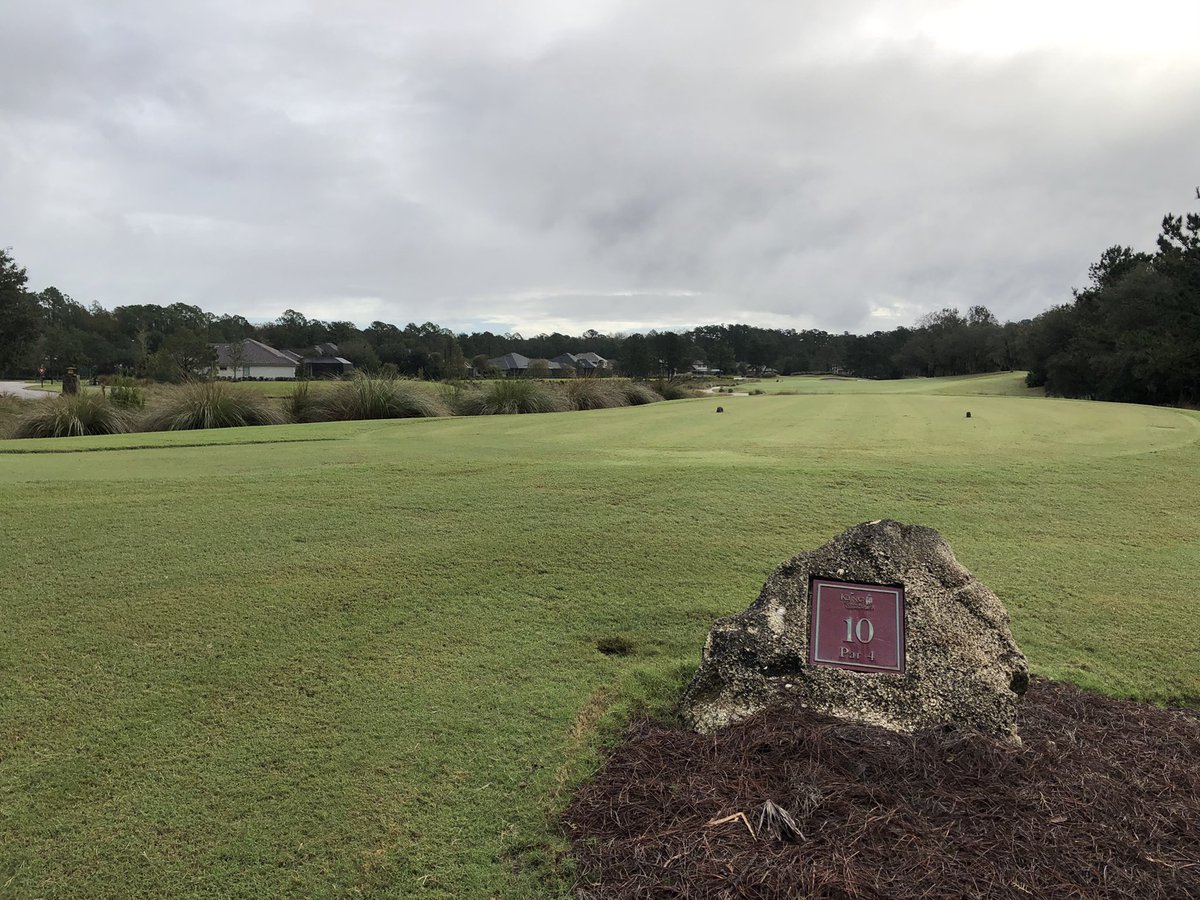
<point x="881" y="625"/>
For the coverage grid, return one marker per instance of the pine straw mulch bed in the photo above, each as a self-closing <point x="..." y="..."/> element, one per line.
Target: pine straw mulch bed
<point x="1102" y="800"/>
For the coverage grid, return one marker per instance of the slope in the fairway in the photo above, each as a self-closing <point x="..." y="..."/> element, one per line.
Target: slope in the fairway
<point x="362" y="657"/>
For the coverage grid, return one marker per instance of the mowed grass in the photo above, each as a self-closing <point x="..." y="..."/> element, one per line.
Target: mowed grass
<point x="359" y="659"/>
<point x="997" y="384"/>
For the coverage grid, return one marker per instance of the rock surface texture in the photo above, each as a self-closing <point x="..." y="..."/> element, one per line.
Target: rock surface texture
<point x="962" y="666"/>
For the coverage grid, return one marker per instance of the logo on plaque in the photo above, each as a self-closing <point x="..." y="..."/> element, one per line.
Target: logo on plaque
<point x="856" y="626"/>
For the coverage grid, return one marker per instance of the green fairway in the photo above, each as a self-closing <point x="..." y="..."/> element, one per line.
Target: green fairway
<point x="999" y="384"/>
<point x="360" y="658"/>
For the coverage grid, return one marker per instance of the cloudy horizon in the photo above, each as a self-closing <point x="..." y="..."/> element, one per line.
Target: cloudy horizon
<point x="537" y="167"/>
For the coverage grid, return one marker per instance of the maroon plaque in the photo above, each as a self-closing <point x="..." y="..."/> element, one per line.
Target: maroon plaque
<point x="856" y="626"/>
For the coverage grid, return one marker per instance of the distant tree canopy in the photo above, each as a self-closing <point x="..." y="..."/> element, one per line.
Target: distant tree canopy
<point x="168" y="342"/>
<point x="19" y="320"/>
<point x="1132" y="334"/>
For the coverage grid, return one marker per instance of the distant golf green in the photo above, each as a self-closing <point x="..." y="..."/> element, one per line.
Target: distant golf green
<point x="360" y="659"/>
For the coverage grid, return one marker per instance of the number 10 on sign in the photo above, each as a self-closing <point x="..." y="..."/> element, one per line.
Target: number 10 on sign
<point x="856" y="626"/>
<point x="855" y="630"/>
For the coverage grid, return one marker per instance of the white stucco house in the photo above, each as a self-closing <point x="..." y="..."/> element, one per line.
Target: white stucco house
<point x="256" y="361"/>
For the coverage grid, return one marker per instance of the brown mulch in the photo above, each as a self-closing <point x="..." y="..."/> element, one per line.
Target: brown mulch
<point x="1102" y="800"/>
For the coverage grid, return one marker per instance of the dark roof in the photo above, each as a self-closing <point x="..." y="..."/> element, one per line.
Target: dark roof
<point x="255" y="353"/>
<point x="588" y="360"/>
<point x="325" y="349"/>
<point x="509" y="361"/>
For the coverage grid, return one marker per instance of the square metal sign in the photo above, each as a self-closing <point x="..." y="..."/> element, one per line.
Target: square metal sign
<point x="856" y="626"/>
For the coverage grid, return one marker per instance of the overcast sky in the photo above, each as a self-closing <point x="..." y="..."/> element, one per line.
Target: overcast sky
<point x="573" y="164"/>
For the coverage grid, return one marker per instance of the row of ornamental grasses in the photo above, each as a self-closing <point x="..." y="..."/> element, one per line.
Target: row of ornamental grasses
<point x="218" y="404"/>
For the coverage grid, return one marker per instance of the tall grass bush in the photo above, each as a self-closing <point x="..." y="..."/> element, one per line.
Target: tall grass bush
<point x="301" y="405"/>
<point x="210" y="404"/>
<point x="11" y="409"/>
<point x="640" y="394"/>
<point x="671" y="389"/>
<point x="509" y="396"/>
<point x="454" y="393"/>
<point x="378" y="397"/>
<point x="589" y="393"/>
<point x="71" y="416"/>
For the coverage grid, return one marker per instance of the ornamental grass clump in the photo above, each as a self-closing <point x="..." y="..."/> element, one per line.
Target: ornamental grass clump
<point x="210" y="404"/>
<point x="673" y="390"/>
<point x="590" y="393"/>
<point x="452" y="392"/>
<point x="11" y="409"/>
<point x="640" y="394"/>
<point x="301" y="405"/>
<point x="511" y="396"/>
<point x="378" y="397"/>
<point x="71" y="416"/>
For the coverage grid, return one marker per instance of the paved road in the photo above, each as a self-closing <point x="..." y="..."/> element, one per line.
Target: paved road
<point x="18" y="388"/>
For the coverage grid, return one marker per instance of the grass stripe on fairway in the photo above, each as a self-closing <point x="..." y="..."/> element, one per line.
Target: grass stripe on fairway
<point x="361" y="657"/>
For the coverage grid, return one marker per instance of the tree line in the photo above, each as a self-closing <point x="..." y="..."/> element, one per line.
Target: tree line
<point x="1132" y="334"/>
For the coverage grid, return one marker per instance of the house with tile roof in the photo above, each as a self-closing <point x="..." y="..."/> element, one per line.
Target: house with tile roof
<point x="514" y="364"/>
<point x="583" y="363"/>
<point x="509" y="364"/>
<point x="253" y="360"/>
<point x="580" y="363"/>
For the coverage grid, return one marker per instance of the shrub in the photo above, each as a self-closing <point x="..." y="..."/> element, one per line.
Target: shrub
<point x="588" y="393"/>
<point x="12" y="408"/>
<point x="453" y="392"/>
<point x="124" y="393"/>
<point x="376" y="397"/>
<point x="673" y="390"/>
<point x="302" y="406"/>
<point x="71" y="416"/>
<point x="510" y="396"/>
<point x="639" y="394"/>
<point x="210" y="404"/>
<point x="757" y="392"/>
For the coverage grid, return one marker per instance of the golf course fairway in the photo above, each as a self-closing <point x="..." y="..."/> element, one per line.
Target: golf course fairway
<point x="361" y="659"/>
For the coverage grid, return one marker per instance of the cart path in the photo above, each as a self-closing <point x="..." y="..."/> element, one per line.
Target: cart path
<point x="18" y="388"/>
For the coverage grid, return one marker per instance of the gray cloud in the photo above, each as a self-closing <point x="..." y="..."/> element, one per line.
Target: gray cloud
<point x="546" y="166"/>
